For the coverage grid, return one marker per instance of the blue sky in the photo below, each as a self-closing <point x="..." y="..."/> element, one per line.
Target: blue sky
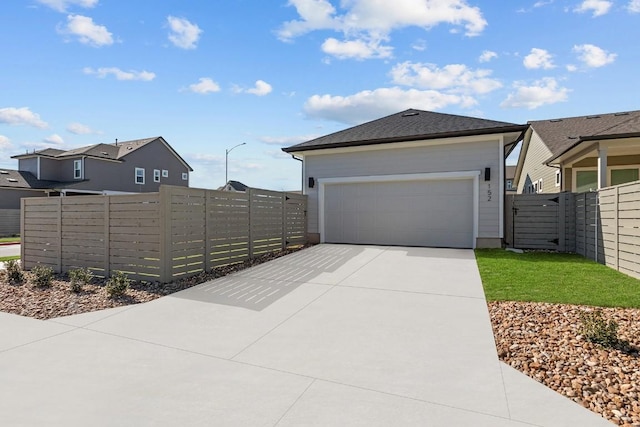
<point x="207" y="75"/>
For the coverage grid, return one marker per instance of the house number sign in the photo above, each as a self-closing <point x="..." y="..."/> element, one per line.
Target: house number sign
<point x="489" y="193"/>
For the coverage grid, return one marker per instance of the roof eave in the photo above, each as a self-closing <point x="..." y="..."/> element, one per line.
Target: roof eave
<point x="489" y="131"/>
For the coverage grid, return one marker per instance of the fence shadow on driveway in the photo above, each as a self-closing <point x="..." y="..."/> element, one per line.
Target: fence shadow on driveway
<point x="258" y="287"/>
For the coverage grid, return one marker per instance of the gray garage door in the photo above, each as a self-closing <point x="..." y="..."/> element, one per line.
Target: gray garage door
<point x="409" y="213"/>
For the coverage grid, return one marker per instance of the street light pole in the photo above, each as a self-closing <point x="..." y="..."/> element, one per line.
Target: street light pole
<point x="226" y="162"/>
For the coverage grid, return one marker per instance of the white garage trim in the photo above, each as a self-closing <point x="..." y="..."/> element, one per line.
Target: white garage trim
<point x="436" y="176"/>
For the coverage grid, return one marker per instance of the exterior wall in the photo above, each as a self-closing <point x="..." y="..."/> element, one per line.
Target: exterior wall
<point x="120" y="176"/>
<point x="611" y="161"/>
<point x="534" y="168"/>
<point x="50" y="169"/>
<point x="29" y="165"/>
<point x="472" y="156"/>
<point x="10" y="198"/>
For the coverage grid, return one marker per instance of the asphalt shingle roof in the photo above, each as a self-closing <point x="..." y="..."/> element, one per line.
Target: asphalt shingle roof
<point x="409" y="125"/>
<point x="559" y="135"/>
<point x="10" y="178"/>
<point x="104" y="151"/>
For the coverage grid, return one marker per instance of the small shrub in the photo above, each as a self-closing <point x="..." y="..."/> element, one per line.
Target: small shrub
<point x="597" y="330"/>
<point x="42" y="275"/>
<point x="14" y="271"/>
<point x="117" y="284"/>
<point x="79" y="277"/>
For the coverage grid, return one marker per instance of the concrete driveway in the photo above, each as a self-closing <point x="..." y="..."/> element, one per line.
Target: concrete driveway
<point x="332" y="335"/>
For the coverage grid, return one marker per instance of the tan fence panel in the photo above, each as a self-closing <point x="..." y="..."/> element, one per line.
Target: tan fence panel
<point x="162" y="236"/>
<point x="228" y="227"/>
<point x="9" y="222"/>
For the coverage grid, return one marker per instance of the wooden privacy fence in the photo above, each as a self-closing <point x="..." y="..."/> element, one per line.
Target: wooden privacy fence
<point x="163" y="236"/>
<point x="603" y="226"/>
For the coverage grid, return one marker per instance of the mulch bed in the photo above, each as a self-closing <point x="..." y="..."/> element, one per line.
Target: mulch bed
<point x="544" y="342"/>
<point x="59" y="300"/>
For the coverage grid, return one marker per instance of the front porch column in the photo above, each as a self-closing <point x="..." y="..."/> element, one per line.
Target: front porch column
<point x="602" y="167"/>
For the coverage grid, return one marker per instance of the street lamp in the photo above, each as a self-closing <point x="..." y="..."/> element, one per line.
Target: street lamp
<point x="226" y="162"/>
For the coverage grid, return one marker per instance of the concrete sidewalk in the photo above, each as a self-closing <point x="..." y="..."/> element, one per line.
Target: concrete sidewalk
<point x="332" y="335"/>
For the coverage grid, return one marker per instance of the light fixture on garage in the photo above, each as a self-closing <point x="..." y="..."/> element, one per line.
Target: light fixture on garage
<point x="487" y="174"/>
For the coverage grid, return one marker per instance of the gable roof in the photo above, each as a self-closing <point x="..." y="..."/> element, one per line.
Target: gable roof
<point x="408" y="125"/>
<point x="509" y="172"/>
<point x="560" y="135"/>
<point x="115" y="151"/>
<point x="10" y="178"/>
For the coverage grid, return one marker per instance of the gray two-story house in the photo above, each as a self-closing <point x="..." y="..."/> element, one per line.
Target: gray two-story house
<point x="136" y="166"/>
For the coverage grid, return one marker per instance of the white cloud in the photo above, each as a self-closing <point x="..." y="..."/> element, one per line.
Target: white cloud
<point x="276" y="154"/>
<point x="4" y="142"/>
<point x="54" y="139"/>
<point x="634" y="6"/>
<point x="21" y="116"/>
<point x="541" y="92"/>
<point x="369" y="104"/>
<point x="120" y="74"/>
<point x="80" y="129"/>
<point x="538" y="58"/>
<point x="598" y="7"/>
<point x="184" y="34"/>
<point x="487" y="56"/>
<point x="87" y="31"/>
<point x="209" y="159"/>
<point x="205" y="85"/>
<point x="261" y="88"/>
<point x="63" y="5"/>
<point x="572" y="68"/>
<point x="287" y="140"/>
<point x="366" y="24"/>
<point x="456" y="78"/>
<point x="593" y="56"/>
<point x="356" y="49"/>
<point x="421" y="45"/>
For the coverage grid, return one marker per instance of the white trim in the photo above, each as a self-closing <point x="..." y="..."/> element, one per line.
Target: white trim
<point x="165" y="173"/>
<point x="501" y="188"/>
<point x="540" y="189"/>
<point x="156" y="175"/>
<point x="135" y="176"/>
<point x="38" y="167"/>
<point x="80" y="169"/>
<point x="185" y="176"/>
<point x="475" y="175"/>
<point x="595" y="169"/>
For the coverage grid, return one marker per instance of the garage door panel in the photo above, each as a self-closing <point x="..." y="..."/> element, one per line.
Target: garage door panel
<point x="416" y="213"/>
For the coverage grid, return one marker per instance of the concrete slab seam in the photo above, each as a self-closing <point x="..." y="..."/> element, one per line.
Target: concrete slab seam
<point x="294" y="402"/>
<point x="404" y="291"/>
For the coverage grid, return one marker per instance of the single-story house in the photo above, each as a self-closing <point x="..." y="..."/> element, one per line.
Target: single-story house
<point x="579" y="153"/>
<point x="235" y="186"/>
<point x="415" y="178"/>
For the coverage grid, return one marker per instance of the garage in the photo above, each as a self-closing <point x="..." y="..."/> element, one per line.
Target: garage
<point x="433" y="212"/>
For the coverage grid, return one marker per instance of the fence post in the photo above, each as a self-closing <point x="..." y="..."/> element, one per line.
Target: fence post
<point x="22" y="230"/>
<point x="107" y="236"/>
<point x="616" y="224"/>
<point x="284" y="220"/>
<point x="562" y="215"/>
<point x="165" y="234"/>
<point x="207" y="232"/>
<point x="59" y="267"/>
<point x="251" y="222"/>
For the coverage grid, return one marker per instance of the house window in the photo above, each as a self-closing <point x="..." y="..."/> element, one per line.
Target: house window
<point x="77" y="169"/>
<point x="558" y="176"/>
<point x="156" y="175"/>
<point x="185" y="176"/>
<point x="535" y="187"/>
<point x="165" y="173"/>
<point x="622" y="176"/>
<point x="586" y="181"/>
<point x="509" y="184"/>
<point x="540" y="185"/>
<point x="139" y="175"/>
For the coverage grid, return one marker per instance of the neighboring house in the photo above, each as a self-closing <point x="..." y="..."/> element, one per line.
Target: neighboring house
<point x="509" y="183"/>
<point x="123" y="167"/>
<point x="415" y="178"/>
<point x="579" y="153"/>
<point x="236" y="186"/>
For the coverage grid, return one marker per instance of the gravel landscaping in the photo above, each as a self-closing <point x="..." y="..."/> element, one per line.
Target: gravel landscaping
<point x="543" y="341"/>
<point x="59" y="300"/>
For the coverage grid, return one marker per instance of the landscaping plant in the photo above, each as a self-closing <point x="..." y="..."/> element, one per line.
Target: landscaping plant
<point x="42" y="275"/>
<point x="597" y="330"/>
<point x="14" y="271"/>
<point x="79" y="277"/>
<point x="117" y="284"/>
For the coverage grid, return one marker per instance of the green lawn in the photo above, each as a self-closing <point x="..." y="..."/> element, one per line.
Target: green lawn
<point x="9" y="239"/>
<point x="8" y="258"/>
<point x="554" y="278"/>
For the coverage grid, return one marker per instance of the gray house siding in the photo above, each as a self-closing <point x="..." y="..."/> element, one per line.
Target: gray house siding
<point x="120" y="175"/>
<point x="534" y="168"/>
<point x="473" y="156"/>
<point x="10" y="198"/>
<point x="29" y="165"/>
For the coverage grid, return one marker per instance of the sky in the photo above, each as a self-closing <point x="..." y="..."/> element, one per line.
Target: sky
<point x="209" y="75"/>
